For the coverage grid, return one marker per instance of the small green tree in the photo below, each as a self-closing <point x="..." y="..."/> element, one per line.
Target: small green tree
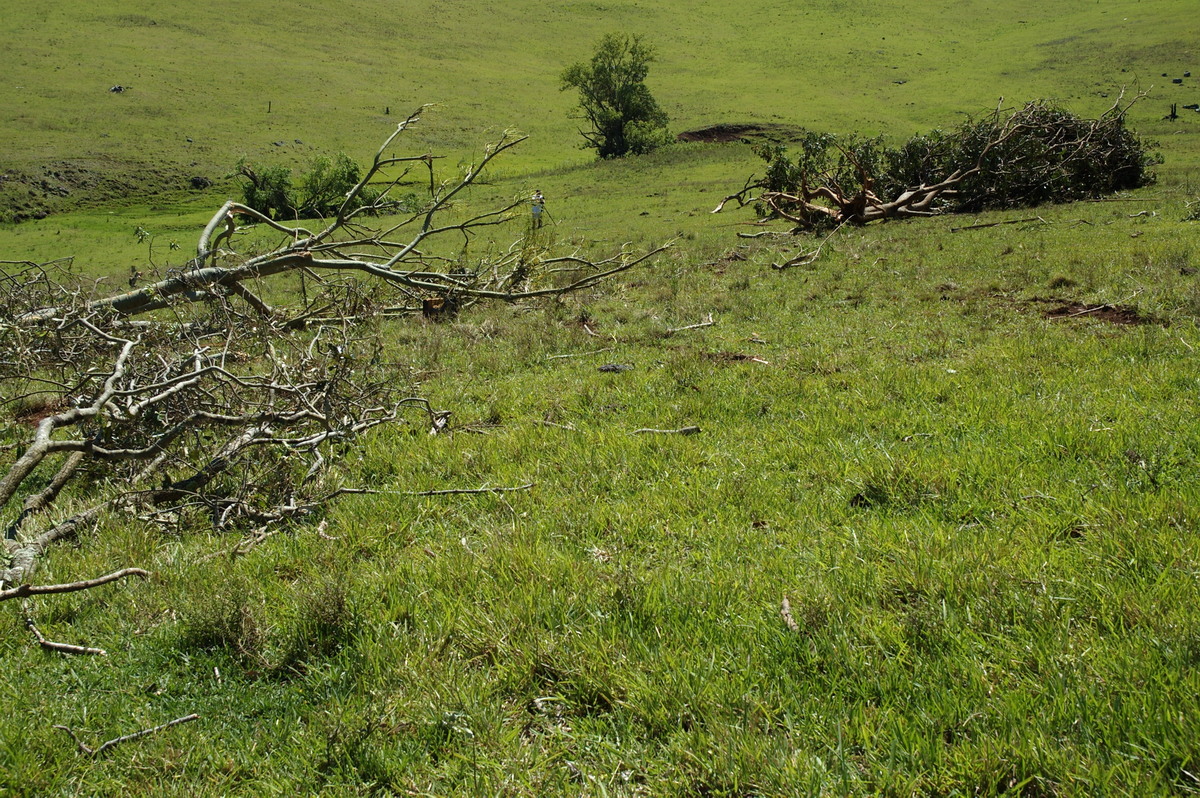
<point x="613" y="98"/>
<point x="269" y="191"/>
<point x="321" y="190"/>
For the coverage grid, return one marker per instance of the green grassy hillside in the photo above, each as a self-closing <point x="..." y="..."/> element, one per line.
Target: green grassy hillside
<point x="967" y="458"/>
<point x="209" y="74"/>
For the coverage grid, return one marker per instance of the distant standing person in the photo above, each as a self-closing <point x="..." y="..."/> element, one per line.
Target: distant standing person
<point x="539" y="207"/>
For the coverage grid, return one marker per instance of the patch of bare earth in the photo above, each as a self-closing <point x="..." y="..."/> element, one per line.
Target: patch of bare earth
<point x="1113" y="314"/>
<point x="740" y="131"/>
<point x="33" y="415"/>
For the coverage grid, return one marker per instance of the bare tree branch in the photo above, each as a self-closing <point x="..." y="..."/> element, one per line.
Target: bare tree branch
<point x="1025" y="152"/>
<point x="84" y="749"/>
<point x="65" y="648"/>
<point x="23" y="591"/>
<point x="191" y="400"/>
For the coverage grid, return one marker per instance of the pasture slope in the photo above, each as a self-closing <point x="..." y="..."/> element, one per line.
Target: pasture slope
<point x="967" y="458"/>
<point x="199" y="79"/>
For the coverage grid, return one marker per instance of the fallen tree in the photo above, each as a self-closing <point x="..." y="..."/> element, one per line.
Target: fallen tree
<point x="1010" y="158"/>
<point x="193" y="402"/>
<point x="401" y="253"/>
<point x="212" y="421"/>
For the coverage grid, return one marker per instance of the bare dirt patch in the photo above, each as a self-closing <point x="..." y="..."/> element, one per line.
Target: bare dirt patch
<point x="33" y="414"/>
<point x="741" y="131"/>
<point x="1113" y="314"/>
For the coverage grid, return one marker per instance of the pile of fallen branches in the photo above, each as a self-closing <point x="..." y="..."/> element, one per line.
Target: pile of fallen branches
<point x="193" y="401"/>
<point x="410" y="257"/>
<point x="1010" y="158"/>
<point x="225" y="425"/>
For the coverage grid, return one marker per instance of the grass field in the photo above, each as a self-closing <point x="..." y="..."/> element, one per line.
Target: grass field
<point x="975" y="488"/>
<point x="209" y="74"/>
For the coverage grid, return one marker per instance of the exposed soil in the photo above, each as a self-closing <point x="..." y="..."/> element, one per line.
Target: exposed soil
<point x="1113" y="314"/>
<point x="32" y="416"/>
<point x="746" y="131"/>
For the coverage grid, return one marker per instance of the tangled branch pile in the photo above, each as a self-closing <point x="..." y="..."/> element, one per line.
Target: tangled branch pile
<point x="217" y="421"/>
<point x="193" y="402"/>
<point x="408" y="249"/>
<point x="1036" y="154"/>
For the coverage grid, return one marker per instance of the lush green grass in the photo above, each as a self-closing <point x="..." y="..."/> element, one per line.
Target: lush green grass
<point x="983" y="519"/>
<point x="209" y="73"/>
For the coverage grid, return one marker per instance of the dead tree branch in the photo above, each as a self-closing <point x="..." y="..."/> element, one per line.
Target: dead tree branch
<point x="24" y="591"/>
<point x="64" y="648"/>
<point x="1017" y="158"/>
<point x="708" y="322"/>
<point x="406" y="253"/>
<point x="681" y="431"/>
<point x="191" y="400"/>
<point x="85" y="749"/>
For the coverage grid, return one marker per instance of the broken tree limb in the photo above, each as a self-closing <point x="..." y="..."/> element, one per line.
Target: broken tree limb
<point x="24" y="557"/>
<point x="468" y="491"/>
<point x="189" y="401"/>
<point x="581" y="354"/>
<point x="398" y="254"/>
<point x="85" y="749"/>
<point x="708" y="322"/>
<point x="437" y="492"/>
<point x="22" y="591"/>
<point x="64" y="648"/>
<point x="681" y="431"/>
<point x="1010" y="158"/>
<point x="810" y="257"/>
<point x="785" y="611"/>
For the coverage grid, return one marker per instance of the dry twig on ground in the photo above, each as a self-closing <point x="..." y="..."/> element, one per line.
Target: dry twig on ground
<point x="86" y="749"/>
<point x="198" y="402"/>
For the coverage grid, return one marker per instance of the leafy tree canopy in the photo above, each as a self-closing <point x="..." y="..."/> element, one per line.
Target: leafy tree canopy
<point x="321" y="190"/>
<point x="624" y="117"/>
